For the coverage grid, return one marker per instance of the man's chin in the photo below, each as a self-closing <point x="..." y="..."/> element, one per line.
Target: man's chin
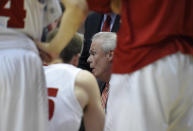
<point x="94" y="73"/>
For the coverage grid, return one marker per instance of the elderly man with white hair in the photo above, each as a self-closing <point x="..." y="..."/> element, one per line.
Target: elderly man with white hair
<point x="100" y="59"/>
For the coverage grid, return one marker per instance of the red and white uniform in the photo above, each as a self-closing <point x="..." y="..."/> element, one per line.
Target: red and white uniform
<point x="151" y="85"/>
<point x="23" y="94"/>
<point x="28" y="16"/>
<point x="65" y="112"/>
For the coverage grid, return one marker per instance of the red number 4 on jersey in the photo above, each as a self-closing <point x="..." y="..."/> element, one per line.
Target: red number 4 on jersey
<point x="15" y="12"/>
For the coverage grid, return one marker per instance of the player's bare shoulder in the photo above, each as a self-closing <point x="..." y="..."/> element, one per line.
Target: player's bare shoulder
<point x="86" y="81"/>
<point x="85" y="78"/>
<point x="86" y="88"/>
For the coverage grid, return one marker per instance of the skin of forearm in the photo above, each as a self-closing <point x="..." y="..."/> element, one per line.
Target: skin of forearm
<point x="70" y="23"/>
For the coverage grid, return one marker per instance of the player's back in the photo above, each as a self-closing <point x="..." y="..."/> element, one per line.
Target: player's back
<point x="26" y="16"/>
<point x="65" y="111"/>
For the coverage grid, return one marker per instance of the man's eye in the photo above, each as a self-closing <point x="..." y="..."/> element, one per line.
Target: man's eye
<point x="92" y="53"/>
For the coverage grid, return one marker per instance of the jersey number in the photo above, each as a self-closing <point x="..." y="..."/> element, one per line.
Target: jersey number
<point x="52" y="92"/>
<point x="15" y="12"/>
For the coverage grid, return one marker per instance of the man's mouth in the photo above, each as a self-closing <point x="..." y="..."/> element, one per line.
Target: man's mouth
<point x="93" y="69"/>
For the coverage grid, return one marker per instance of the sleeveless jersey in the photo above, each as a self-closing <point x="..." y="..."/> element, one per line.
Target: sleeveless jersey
<point x="65" y="112"/>
<point x="28" y="16"/>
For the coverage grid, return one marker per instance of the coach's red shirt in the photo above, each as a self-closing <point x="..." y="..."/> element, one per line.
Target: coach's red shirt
<point x="149" y="30"/>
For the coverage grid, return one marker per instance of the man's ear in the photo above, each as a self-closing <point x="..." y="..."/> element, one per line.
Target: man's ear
<point x="110" y="55"/>
<point x="75" y="59"/>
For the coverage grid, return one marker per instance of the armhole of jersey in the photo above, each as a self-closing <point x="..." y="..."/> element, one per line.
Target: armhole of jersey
<point x="75" y="99"/>
<point x="42" y="1"/>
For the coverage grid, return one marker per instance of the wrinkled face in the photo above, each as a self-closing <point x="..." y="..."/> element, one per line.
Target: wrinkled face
<point x="98" y="60"/>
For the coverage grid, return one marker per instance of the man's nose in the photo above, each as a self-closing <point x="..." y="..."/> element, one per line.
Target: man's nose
<point x="89" y="60"/>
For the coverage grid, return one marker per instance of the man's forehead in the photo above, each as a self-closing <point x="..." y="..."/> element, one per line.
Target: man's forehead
<point x="94" y="46"/>
<point x="96" y="43"/>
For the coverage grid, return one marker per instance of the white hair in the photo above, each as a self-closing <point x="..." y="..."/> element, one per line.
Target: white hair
<point x="108" y="40"/>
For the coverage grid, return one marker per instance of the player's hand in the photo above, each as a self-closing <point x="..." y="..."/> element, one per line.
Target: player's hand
<point x="45" y="55"/>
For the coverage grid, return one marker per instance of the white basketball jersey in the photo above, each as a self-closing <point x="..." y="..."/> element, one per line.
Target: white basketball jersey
<point x="65" y="112"/>
<point x="27" y="16"/>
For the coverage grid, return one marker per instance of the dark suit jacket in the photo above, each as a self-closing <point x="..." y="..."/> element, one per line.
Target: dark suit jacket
<point x="93" y="26"/>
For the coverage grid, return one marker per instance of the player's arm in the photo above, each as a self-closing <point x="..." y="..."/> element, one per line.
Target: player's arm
<point x="75" y="13"/>
<point x="90" y="101"/>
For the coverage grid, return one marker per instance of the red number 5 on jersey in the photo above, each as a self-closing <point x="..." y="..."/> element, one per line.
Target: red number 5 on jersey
<point x="14" y="10"/>
<point x="53" y="93"/>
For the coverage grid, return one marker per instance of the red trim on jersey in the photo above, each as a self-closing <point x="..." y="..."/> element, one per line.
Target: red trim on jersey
<point x="52" y="91"/>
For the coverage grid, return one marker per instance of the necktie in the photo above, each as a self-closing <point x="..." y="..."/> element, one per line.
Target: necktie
<point x="107" y="24"/>
<point x="105" y="95"/>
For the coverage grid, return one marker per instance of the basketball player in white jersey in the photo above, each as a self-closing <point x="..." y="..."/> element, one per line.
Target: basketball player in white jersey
<point x="23" y="96"/>
<point x="72" y="93"/>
